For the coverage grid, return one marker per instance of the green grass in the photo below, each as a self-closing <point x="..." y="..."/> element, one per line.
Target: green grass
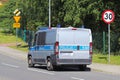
<point x="6" y="38"/>
<point x="100" y="58"/>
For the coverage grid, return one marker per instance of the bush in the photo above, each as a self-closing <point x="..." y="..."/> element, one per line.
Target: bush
<point x="115" y="42"/>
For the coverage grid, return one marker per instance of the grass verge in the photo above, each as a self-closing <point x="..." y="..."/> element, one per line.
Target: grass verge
<point x="23" y="47"/>
<point x="100" y="58"/>
<point x="7" y="38"/>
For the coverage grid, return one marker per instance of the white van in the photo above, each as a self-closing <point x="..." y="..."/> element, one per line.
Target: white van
<point x="61" y="47"/>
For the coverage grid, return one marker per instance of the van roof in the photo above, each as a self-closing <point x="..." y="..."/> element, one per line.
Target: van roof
<point x="69" y="28"/>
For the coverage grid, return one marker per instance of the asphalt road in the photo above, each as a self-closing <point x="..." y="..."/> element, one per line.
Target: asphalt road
<point x="13" y="68"/>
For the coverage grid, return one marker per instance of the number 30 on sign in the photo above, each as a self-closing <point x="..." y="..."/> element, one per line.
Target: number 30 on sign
<point x="108" y="16"/>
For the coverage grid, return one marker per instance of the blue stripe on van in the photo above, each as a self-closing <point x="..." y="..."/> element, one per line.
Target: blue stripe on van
<point x="46" y="47"/>
<point x="67" y="47"/>
<point x="84" y="48"/>
<point x="51" y="47"/>
<point x="32" y="49"/>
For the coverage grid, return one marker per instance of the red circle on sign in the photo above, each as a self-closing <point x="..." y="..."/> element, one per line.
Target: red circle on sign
<point x="108" y="16"/>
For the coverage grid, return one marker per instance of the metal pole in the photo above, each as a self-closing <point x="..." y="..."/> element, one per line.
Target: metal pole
<point x="103" y="42"/>
<point x="49" y="14"/>
<point x="16" y="28"/>
<point x="16" y="37"/>
<point x="109" y="43"/>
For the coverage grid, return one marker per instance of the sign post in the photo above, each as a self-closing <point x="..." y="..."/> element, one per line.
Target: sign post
<point x="17" y="20"/>
<point x="109" y="43"/>
<point x="108" y="16"/>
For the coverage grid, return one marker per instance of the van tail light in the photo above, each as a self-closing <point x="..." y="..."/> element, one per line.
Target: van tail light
<point x="56" y="47"/>
<point x="90" y="48"/>
<point x="74" y="28"/>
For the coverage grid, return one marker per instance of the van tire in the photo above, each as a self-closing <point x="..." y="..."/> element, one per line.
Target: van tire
<point x="82" y="67"/>
<point x="50" y="66"/>
<point x="30" y="62"/>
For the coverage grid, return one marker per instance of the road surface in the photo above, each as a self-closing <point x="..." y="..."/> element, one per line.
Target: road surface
<point x="14" y="68"/>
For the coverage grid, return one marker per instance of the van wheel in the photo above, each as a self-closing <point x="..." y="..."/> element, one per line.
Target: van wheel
<point x="82" y="67"/>
<point x="49" y="65"/>
<point x="30" y="62"/>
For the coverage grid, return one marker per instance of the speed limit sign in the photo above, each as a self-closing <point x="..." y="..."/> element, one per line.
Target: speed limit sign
<point x="108" y="16"/>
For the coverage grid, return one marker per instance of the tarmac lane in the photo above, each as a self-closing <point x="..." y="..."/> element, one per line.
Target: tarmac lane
<point x="14" y="68"/>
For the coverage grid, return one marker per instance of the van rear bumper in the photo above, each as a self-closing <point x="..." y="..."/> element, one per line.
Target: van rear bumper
<point x="73" y="61"/>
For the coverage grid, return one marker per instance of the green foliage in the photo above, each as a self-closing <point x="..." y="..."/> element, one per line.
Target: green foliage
<point x="65" y="12"/>
<point x="98" y="42"/>
<point x="8" y="38"/>
<point x="115" y="46"/>
<point x="6" y="15"/>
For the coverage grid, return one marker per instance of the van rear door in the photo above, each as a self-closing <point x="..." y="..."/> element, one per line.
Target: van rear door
<point x="74" y="44"/>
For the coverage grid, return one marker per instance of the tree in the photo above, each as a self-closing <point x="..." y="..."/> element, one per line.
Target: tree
<point x="65" y="12"/>
<point x="6" y="15"/>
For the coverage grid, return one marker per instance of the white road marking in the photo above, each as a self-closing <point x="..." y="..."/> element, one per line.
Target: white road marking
<point x="35" y="70"/>
<point x="10" y="65"/>
<point x="75" y="78"/>
<point x="11" y="56"/>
